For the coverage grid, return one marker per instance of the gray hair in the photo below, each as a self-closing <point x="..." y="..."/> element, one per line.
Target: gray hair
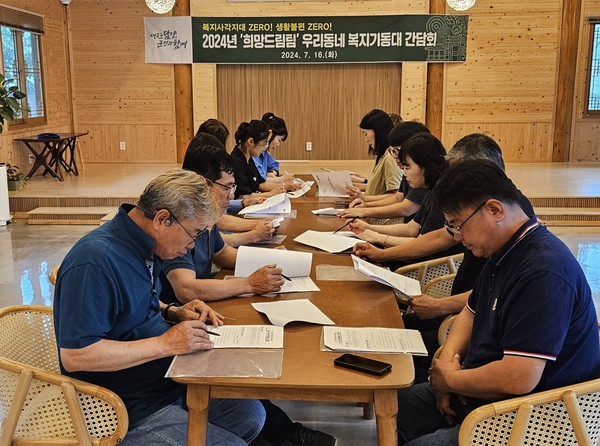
<point x="183" y="193"/>
<point x="476" y="146"/>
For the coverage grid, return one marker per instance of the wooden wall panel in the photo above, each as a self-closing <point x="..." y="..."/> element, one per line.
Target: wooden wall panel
<point x="585" y="139"/>
<point x="322" y="104"/>
<point x="118" y="96"/>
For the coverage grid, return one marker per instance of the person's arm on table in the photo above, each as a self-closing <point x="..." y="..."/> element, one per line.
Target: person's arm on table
<point x="421" y="246"/>
<point x="427" y="307"/>
<point x="263" y="230"/>
<point x="410" y="229"/>
<point x="231" y="223"/>
<point x="394" y="210"/>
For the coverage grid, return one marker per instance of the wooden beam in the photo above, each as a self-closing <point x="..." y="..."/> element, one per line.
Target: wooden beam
<point x="435" y="83"/>
<point x="184" y="109"/>
<point x="565" y="79"/>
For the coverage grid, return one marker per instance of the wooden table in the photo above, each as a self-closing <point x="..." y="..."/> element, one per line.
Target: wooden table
<point x="51" y="153"/>
<point x="308" y="373"/>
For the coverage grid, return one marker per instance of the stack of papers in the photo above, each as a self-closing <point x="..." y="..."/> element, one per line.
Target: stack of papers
<point x="284" y="311"/>
<point x="374" y="339"/>
<point x="333" y="184"/>
<point x="247" y="336"/>
<point x="306" y="185"/>
<point x="294" y="264"/>
<point x="276" y="205"/>
<point x="327" y="241"/>
<point x="405" y="285"/>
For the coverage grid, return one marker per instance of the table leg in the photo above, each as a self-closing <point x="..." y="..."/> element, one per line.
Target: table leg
<point x="386" y="412"/>
<point x="197" y="402"/>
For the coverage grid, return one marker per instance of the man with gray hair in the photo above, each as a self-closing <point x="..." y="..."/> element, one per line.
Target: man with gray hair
<point x="112" y="330"/>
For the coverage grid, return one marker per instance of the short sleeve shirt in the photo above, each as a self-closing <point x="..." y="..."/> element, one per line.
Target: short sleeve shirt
<point x="246" y="174"/>
<point x="198" y="259"/>
<point x="385" y="177"/>
<point x="532" y="299"/>
<point x="265" y="163"/>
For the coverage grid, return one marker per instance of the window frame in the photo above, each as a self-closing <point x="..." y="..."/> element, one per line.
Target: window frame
<point x="593" y="22"/>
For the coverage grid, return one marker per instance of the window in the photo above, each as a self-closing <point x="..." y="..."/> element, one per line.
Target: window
<point x="593" y="93"/>
<point x="20" y="33"/>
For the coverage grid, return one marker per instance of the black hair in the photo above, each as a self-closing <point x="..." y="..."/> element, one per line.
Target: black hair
<point x="476" y="145"/>
<point x="276" y="125"/>
<point x="214" y="127"/>
<point x="472" y="182"/>
<point x="207" y="160"/>
<point x="428" y="153"/>
<point x="255" y="129"/>
<point x="396" y="118"/>
<point x="405" y="130"/>
<point x="381" y="123"/>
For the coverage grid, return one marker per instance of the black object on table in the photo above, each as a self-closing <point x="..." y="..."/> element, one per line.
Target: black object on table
<point x="52" y="153"/>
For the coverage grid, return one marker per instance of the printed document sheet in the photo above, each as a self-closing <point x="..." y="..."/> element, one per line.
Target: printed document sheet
<point x="306" y="185"/>
<point x="284" y="311"/>
<point x="374" y="339"/>
<point x="277" y="204"/>
<point x="333" y="184"/>
<point x="327" y="211"/>
<point x="327" y="241"/>
<point x="405" y="285"/>
<point x="247" y="336"/>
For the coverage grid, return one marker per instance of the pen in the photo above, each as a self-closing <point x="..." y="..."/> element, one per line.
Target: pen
<point x="212" y="333"/>
<point x="286" y="277"/>
<point x="286" y="172"/>
<point x="346" y="224"/>
<point x="326" y="170"/>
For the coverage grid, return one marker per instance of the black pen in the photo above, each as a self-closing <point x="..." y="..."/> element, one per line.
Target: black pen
<point x="286" y="277"/>
<point x="212" y="333"/>
<point x="346" y="224"/>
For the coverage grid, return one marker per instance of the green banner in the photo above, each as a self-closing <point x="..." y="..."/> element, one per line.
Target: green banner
<point x="402" y="38"/>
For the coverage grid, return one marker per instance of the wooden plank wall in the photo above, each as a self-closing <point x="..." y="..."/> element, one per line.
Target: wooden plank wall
<point x="506" y="88"/>
<point x="325" y="110"/>
<point x="585" y="145"/>
<point x="54" y="57"/>
<point x="118" y="96"/>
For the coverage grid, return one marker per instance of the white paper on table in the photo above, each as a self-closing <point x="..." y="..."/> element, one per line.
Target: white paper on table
<point x="292" y="263"/>
<point x="277" y="204"/>
<point x="333" y="184"/>
<point x="306" y="185"/>
<point x="277" y="221"/>
<point x="374" y="339"/>
<point x="327" y="211"/>
<point x="284" y="311"/>
<point x="246" y="336"/>
<point x="407" y="286"/>
<point x="327" y="241"/>
<point x="298" y="285"/>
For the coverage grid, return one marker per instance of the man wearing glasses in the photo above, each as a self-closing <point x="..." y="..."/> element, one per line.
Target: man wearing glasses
<point x="112" y="330"/>
<point x="529" y="325"/>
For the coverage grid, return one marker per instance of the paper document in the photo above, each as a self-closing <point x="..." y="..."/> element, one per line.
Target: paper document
<point x="405" y="285"/>
<point x="247" y="336"/>
<point x="333" y="184"/>
<point x="374" y="339"/>
<point x="292" y="263"/>
<point x="326" y="241"/>
<point x="298" y="285"/>
<point x="284" y="311"/>
<point x="327" y="211"/>
<point x="306" y="185"/>
<point x="277" y="204"/>
<point x="275" y="240"/>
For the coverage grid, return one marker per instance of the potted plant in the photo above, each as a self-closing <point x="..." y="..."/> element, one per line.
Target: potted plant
<point x="9" y="101"/>
<point x="16" y="179"/>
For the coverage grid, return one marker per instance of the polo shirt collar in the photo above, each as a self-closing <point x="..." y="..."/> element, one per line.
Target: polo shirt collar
<point x="128" y="231"/>
<point x="521" y="233"/>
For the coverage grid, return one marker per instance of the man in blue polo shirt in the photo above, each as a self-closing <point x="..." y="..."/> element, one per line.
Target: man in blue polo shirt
<point x="112" y="330"/>
<point x="529" y="324"/>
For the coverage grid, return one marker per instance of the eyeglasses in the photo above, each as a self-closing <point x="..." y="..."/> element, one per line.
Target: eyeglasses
<point x="230" y="189"/>
<point x="194" y="238"/>
<point x="456" y="231"/>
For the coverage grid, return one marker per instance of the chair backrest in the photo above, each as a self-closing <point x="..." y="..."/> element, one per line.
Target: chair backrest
<point x="41" y="406"/>
<point x="52" y="274"/>
<point x="440" y="286"/>
<point x="444" y="328"/>
<point x="430" y="269"/>
<point x="565" y="416"/>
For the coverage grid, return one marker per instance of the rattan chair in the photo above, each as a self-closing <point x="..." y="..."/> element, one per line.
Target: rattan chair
<point x="52" y="274"/>
<point x="41" y="406"/>
<point x="430" y="269"/>
<point x="561" y="417"/>
<point x="440" y="286"/>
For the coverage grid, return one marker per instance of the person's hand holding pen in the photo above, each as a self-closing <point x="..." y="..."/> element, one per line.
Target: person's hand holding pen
<point x="195" y="310"/>
<point x="344" y="225"/>
<point x="267" y="279"/>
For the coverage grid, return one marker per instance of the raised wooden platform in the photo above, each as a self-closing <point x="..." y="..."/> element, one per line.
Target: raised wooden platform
<point x="90" y="215"/>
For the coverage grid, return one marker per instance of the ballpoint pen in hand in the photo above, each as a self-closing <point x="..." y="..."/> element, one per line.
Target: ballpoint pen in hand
<point x="212" y="333"/>
<point x="286" y="277"/>
<point x="346" y="224"/>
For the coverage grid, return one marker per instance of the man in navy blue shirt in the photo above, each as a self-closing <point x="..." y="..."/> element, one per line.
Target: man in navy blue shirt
<point x="529" y="324"/>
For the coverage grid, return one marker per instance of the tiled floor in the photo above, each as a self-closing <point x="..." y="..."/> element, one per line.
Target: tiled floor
<point x="29" y="252"/>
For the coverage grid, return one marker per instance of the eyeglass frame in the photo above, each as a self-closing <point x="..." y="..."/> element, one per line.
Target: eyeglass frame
<point x="456" y="231"/>
<point x="230" y="189"/>
<point x="149" y="215"/>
